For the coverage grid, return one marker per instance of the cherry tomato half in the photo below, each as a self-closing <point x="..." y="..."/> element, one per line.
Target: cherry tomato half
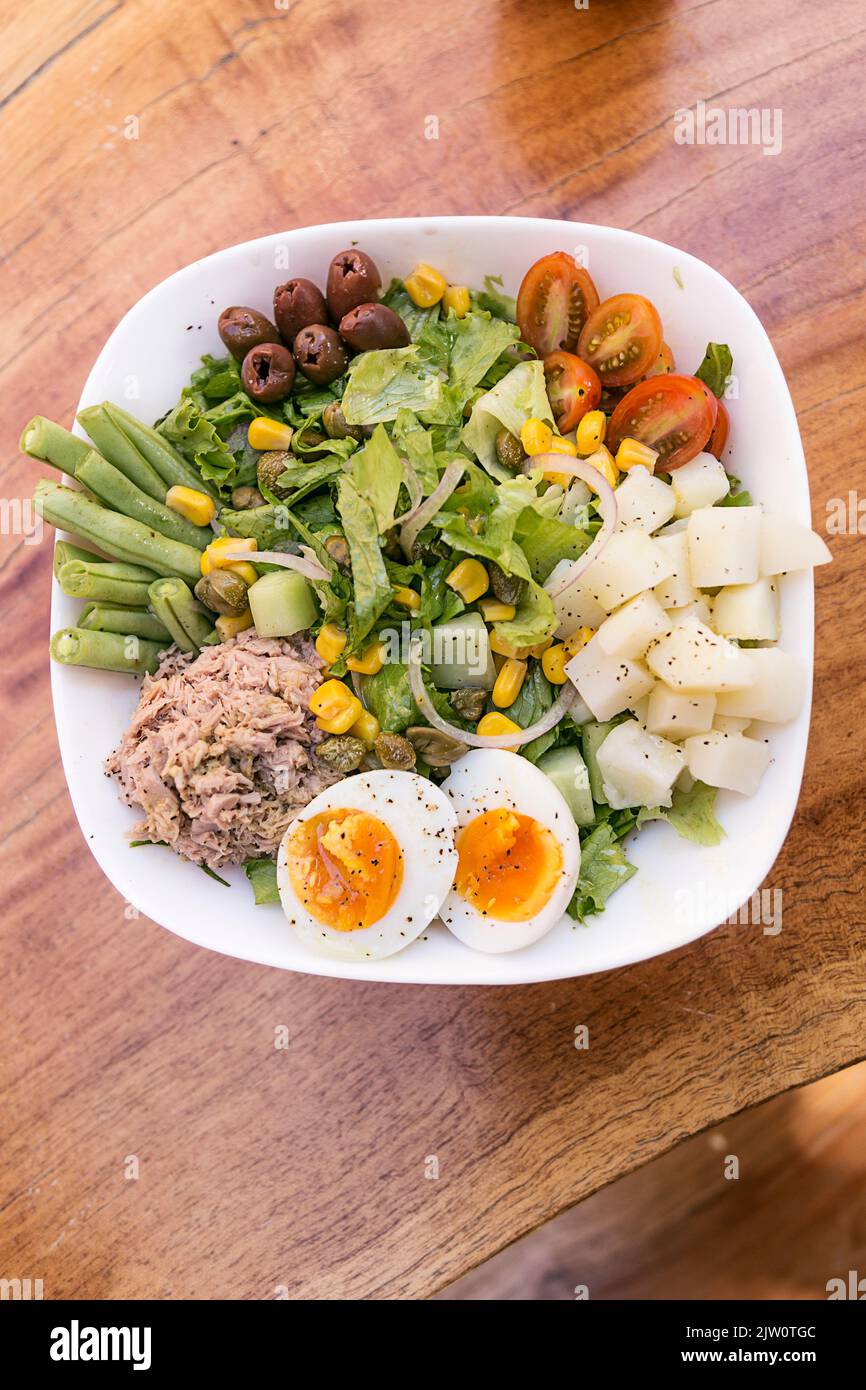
<point x="664" y="363"/>
<point x="553" y="303"/>
<point x="573" y="388"/>
<point x="721" y="430"/>
<point x="621" y="339"/>
<point x="672" y="414"/>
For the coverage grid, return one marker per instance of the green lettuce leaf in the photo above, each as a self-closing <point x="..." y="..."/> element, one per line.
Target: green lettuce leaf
<point x="490" y="534"/>
<point x="195" y="436"/>
<point x="518" y="397"/>
<point x="377" y="472"/>
<point x="546" y="540"/>
<point x="603" y="869"/>
<point x="262" y="874"/>
<point x="415" y="319"/>
<point x="691" y="814"/>
<point x="534" y="621"/>
<point x="477" y="341"/>
<point x="535" y="698"/>
<point x="389" y="698"/>
<point x="494" y="300"/>
<point x="370" y="582"/>
<point x="383" y="382"/>
<point x="268" y="525"/>
<point x="715" y="370"/>
<point x="416" y="443"/>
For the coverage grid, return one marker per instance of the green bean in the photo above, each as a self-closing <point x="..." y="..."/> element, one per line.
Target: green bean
<point x="105" y="582"/>
<point x="53" y="444"/>
<point x="65" y="550"/>
<point x="132" y="622"/>
<point x="113" y="444"/>
<point x="171" y="465"/>
<point x="119" y="536"/>
<point x="175" y="606"/>
<point x="105" y="651"/>
<point x="114" y="489"/>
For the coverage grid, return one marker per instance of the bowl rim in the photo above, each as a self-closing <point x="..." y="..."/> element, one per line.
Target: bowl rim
<point x="622" y="952"/>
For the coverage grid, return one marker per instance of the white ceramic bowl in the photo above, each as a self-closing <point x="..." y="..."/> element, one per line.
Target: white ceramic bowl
<point x="680" y="891"/>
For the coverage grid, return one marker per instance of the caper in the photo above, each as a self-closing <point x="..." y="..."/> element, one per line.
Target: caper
<point x="433" y="747"/>
<point x="510" y="451"/>
<point x="338" y="549"/>
<point x="336" y="426"/>
<point x="222" y="592"/>
<point x="245" y="497"/>
<point x="468" y="703"/>
<point x="269" y="468"/>
<point x="508" y="588"/>
<point x="343" y="753"/>
<point x="395" y="752"/>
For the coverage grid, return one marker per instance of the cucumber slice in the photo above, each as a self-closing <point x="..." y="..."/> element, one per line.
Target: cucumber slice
<point x="592" y="737"/>
<point x="461" y="654"/>
<point x="282" y="604"/>
<point x="568" y="773"/>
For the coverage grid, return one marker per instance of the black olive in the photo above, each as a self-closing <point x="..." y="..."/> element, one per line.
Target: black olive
<point x="297" y="303"/>
<point x="320" y="354"/>
<point x="268" y="372"/>
<point x="371" y="326"/>
<point x="242" y="329"/>
<point x="352" y="279"/>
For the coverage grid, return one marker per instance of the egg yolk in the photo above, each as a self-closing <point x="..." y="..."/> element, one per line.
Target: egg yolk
<point x="345" y="867"/>
<point x="508" y="865"/>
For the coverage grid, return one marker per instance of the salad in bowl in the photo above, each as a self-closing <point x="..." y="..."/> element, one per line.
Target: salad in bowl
<point x="439" y="598"/>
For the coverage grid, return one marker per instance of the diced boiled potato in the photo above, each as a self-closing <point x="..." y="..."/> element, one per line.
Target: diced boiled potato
<point x="679" y="713"/>
<point x="788" y="545"/>
<point x="699" y="483"/>
<point x="727" y="760"/>
<point x="692" y="657"/>
<point x="631" y="561"/>
<point x="775" y="692"/>
<point x="678" y="589"/>
<point x="644" y="501"/>
<point x="629" y="631"/>
<point x="608" y="684"/>
<point x="698" y="611"/>
<point x="637" y="768"/>
<point x="748" y="611"/>
<point x="638" y="709"/>
<point x="724" y="545"/>
<point x="730" y="724"/>
<point x="576" y="607"/>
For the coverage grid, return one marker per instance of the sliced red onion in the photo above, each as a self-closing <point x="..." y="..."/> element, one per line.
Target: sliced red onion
<point x="422" y="699"/>
<point x="306" y="563"/>
<point x="583" y="469"/>
<point x="414" y="521"/>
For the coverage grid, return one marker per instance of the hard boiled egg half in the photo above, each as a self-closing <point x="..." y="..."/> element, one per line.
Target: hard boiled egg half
<point x="367" y="864"/>
<point x="518" y="852"/>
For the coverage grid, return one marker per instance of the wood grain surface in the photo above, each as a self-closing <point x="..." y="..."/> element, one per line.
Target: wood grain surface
<point x="303" y="1171"/>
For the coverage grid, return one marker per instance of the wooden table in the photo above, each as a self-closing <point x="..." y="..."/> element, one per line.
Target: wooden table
<point x="263" y="1171"/>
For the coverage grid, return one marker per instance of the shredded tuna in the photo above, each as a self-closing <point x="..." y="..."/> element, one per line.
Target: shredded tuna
<point x="220" y="752"/>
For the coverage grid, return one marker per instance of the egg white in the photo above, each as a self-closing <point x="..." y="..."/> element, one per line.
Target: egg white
<point x="482" y="780"/>
<point x="422" y="822"/>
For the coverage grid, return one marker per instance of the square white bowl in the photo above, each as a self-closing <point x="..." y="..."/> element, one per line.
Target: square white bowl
<point x="681" y="891"/>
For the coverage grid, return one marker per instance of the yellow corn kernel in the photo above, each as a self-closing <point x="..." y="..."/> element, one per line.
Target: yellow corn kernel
<point x="591" y="431"/>
<point x="456" y="297"/>
<point x="602" y="460"/>
<point x="213" y="557"/>
<point x="632" y="454"/>
<point x="336" y="707"/>
<point x="503" y="648"/>
<point x="536" y="436"/>
<point x="366" y="727"/>
<point x="370" y="662"/>
<point x="469" y="579"/>
<point x="331" y="643"/>
<point x="247" y="572"/>
<point x="494" y="724"/>
<point x="540" y="648"/>
<point x="407" y="598"/>
<point x="509" y="683"/>
<point x="494" y="611"/>
<point x="553" y="663"/>
<point x="425" y="286"/>
<point x="268" y="434"/>
<point x="196" y="506"/>
<point x="230" y="624"/>
<point x="577" y="640"/>
<point x="560" y="445"/>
